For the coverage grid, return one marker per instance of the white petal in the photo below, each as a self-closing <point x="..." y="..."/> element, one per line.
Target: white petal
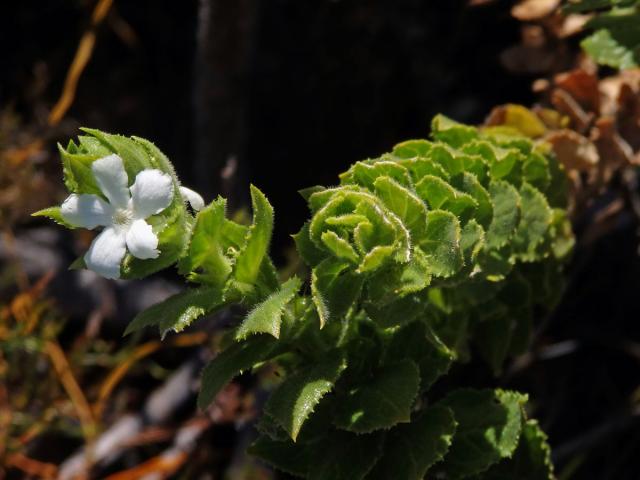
<point x="86" y="211"/>
<point x="112" y="179"/>
<point x="194" y="198"/>
<point x="141" y="241"/>
<point x="151" y="193"/>
<point x="106" y="253"/>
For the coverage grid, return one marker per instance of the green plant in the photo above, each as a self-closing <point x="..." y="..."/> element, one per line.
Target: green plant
<point x="417" y="259"/>
<point x="616" y="40"/>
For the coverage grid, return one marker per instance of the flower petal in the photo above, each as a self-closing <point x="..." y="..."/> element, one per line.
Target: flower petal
<point x="194" y="198"/>
<point x="106" y="252"/>
<point x="86" y="211"/>
<point x="151" y="193"/>
<point x="141" y="241"/>
<point x="112" y="179"/>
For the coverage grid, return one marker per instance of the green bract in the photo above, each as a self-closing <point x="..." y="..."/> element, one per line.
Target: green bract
<point x="416" y="259"/>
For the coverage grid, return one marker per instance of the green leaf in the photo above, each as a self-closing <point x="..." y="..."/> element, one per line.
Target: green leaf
<point x="53" y="213"/>
<point x="206" y="261"/>
<point x="253" y="252"/>
<point x="616" y="43"/>
<point x="366" y="174"/>
<point x="345" y="456"/>
<point x="296" y="398"/>
<point x="493" y="338"/>
<point x="410" y="450"/>
<point x="334" y="288"/>
<point x="235" y="359"/>
<point x="266" y="317"/>
<point x="469" y="183"/>
<point x="411" y="342"/>
<point x="471" y="241"/>
<point x="283" y="455"/>
<point x="441" y="243"/>
<point x="534" y="223"/>
<point x="412" y="148"/>
<point x="451" y="132"/>
<point x="489" y="426"/>
<point x="375" y="258"/>
<point x="506" y="213"/>
<point x="404" y="203"/>
<point x="531" y="461"/>
<point x="132" y="152"/>
<point x="382" y="401"/>
<point x="307" y="249"/>
<point x="177" y="312"/>
<point x="535" y="171"/>
<point x="340" y="247"/>
<point x="440" y="195"/>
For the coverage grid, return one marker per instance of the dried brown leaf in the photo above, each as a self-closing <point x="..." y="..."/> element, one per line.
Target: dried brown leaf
<point x="530" y="10"/>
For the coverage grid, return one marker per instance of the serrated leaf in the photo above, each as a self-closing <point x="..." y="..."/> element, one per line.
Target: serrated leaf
<point x="399" y="280"/>
<point x="366" y="174"/>
<point x="132" y="152"/>
<point x="53" y="213"/>
<point x="77" y="173"/>
<point x="410" y="450"/>
<point x="178" y="311"/>
<point x="307" y="249"/>
<point x="266" y="317"/>
<point x="412" y="342"/>
<point x="419" y="167"/>
<point x="381" y="402"/>
<point x="535" y="220"/>
<point x="489" y="426"/>
<point x="441" y="243"/>
<point x="206" y="261"/>
<point x="375" y="258"/>
<point x="345" y="456"/>
<point x="506" y="213"/>
<point x="531" y="461"/>
<point x="240" y="356"/>
<point x="535" y="171"/>
<point x="340" y="247"/>
<point x="472" y="239"/>
<point x="334" y="288"/>
<point x="412" y="148"/>
<point x="404" y="203"/>
<point x="253" y="252"/>
<point x="295" y="399"/>
<point x="451" y="132"/>
<point x="614" y="52"/>
<point x="469" y="183"/>
<point x="438" y="194"/>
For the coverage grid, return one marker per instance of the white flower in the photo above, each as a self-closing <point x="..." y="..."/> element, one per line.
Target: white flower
<point x="194" y="198"/>
<point x="123" y="216"/>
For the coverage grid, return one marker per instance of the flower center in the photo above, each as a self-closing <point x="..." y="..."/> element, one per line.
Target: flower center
<point x="122" y="216"/>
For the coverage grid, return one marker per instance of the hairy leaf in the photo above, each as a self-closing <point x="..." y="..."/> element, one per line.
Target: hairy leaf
<point x="381" y="402"/>
<point x="177" y="312"/>
<point x="489" y="426"/>
<point x="410" y="450"/>
<point x="266" y="317"/>
<point x="227" y="364"/>
<point x="295" y="399"/>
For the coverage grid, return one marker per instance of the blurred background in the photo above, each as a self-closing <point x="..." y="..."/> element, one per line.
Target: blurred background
<point x="284" y="94"/>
